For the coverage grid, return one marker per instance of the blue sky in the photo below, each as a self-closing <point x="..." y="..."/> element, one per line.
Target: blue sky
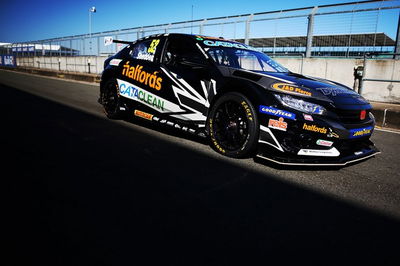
<point x="42" y="19"/>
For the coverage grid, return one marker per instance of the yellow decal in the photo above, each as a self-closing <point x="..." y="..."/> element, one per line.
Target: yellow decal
<point x="290" y="88"/>
<point x="362" y="132"/>
<point x="153" y="46"/>
<point x="248" y="111"/>
<point x="314" y="128"/>
<point x="217" y="146"/>
<point x="142" y="76"/>
<point x="144" y="115"/>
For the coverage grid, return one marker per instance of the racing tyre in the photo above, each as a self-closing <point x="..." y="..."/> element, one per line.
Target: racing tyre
<point x="233" y="126"/>
<point x="110" y="100"/>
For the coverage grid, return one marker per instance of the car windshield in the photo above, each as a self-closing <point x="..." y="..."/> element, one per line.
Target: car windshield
<point x="244" y="59"/>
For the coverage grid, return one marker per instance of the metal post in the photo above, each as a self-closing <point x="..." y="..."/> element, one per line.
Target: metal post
<point x="202" y="26"/>
<point x="397" y="45"/>
<point x="310" y="29"/>
<point x="361" y="84"/>
<point x="247" y="32"/>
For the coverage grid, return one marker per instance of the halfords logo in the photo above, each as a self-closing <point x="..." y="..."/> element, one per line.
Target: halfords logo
<point x="314" y="128"/>
<point x="290" y="88"/>
<point x="360" y="132"/>
<point x="277" y="112"/>
<point x="142" y="76"/>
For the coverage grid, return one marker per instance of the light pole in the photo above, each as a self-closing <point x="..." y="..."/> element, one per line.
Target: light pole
<point x="91" y="10"/>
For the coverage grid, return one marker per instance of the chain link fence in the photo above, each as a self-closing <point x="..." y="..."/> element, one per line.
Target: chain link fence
<point x="340" y="30"/>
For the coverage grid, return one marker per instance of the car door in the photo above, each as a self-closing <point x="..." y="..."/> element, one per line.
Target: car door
<point x="141" y="79"/>
<point x="188" y="71"/>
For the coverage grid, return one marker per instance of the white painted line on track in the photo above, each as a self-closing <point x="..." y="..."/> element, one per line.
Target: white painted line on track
<point x="387" y="130"/>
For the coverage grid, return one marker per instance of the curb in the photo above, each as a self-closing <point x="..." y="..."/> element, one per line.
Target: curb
<point x="387" y="118"/>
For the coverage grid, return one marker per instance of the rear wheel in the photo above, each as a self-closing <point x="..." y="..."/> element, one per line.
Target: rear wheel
<point x="233" y="126"/>
<point x="110" y="100"/>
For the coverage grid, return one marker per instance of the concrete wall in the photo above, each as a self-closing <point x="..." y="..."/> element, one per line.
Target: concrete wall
<point x="71" y="64"/>
<point x="340" y="70"/>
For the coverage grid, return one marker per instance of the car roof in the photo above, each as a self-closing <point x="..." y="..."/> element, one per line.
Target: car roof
<point x="197" y="37"/>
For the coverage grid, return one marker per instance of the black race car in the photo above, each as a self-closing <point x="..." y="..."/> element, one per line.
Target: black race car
<point x="243" y="101"/>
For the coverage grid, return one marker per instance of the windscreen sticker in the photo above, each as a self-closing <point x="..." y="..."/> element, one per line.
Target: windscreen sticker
<point x="225" y="44"/>
<point x="276" y="112"/>
<point x="360" y="132"/>
<point x="291" y="89"/>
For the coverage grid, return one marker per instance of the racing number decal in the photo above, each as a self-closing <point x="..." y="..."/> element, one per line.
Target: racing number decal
<point x="153" y="46"/>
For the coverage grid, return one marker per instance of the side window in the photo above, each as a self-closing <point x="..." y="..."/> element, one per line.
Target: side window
<point x="145" y="50"/>
<point x="181" y="50"/>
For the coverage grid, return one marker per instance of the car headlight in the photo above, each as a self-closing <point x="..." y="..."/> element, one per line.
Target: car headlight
<point x="301" y="105"/>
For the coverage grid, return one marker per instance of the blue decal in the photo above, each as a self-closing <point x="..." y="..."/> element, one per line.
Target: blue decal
<point x="277" y="112"/>
<point x="360" y="132"/>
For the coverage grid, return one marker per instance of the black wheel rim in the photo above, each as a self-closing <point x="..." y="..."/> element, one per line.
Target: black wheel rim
<point x="110" y="98"/>
<point x="231" y="125"/>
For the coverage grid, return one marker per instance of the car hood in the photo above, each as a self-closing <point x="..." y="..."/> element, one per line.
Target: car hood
<point x="333" y="93"/>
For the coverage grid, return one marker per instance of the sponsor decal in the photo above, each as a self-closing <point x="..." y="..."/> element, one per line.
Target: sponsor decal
<point x="108" y="40"/>
<point x="115" y="62"/>
<point x="225" y="44"/>
<point x="360" y="132"/>
<point x="325" y="143"/>
<point x="332" y="134"/>
<point x="248" y="111"/>
<point x="8" y="60"/>
<point x="334" y="91"/>
<point x="143" y="115"/>
<point x="278" y="124"/>
<point x="291" y="89"/>
<point x="332" y="152"/>
<point x="276" y="112"/>
<point x="137" y="73"/>
<point x="138" y="94"/>
<point x="315" y="128"/>
<point x="308" y="117"/>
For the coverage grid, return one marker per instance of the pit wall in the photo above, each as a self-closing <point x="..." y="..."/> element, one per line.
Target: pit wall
<point x="339" y="70"/>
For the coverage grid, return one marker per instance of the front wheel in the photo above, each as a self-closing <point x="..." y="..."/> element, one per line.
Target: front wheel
<point x="233" y="126"/>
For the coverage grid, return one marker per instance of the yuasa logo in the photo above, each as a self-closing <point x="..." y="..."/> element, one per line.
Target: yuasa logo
<point x="360" y="132"/>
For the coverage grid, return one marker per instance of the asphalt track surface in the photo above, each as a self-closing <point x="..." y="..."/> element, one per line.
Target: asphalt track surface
<point x="80" y="189"/>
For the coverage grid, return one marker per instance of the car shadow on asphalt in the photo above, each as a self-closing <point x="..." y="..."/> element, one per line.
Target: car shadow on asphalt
<point x="82" y="190"/>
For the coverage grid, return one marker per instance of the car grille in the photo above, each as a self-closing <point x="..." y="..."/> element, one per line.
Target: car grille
<point x="351" y="116"/>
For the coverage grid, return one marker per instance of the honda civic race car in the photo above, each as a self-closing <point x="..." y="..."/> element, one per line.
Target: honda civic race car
<point x="243" y="101"/>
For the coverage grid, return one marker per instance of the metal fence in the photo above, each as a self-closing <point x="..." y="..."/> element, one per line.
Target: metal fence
<point x="340" y="30"/>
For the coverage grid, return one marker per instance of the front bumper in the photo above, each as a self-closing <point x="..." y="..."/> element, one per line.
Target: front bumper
<point x="319" y="142"/>
<point x="266" y="152"/>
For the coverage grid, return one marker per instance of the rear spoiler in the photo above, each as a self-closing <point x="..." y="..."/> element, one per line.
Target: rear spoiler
<point x="124" y="42"/>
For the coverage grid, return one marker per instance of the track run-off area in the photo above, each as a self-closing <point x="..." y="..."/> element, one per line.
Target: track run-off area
<point x="85" y="190"/>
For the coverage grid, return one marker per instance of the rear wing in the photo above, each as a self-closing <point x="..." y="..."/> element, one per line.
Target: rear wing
<point x="124" y="42"/>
